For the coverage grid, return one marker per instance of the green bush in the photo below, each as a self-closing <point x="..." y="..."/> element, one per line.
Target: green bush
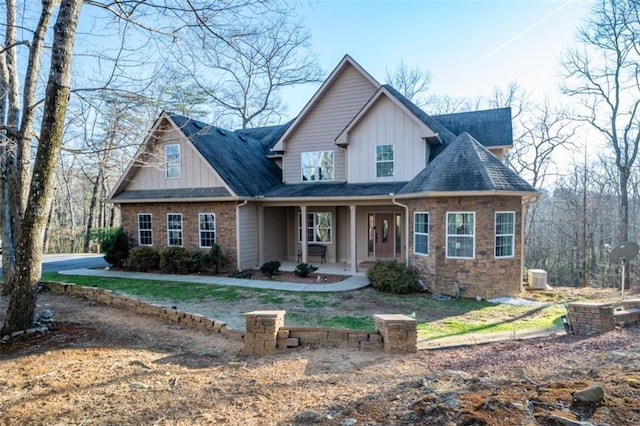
<point x="143" y="259"/>
<point x="303" y="270"/>
<point x="390" y="276"/>
<point x="270" y="268"/>
<point x="217" y="259"/>
<point x="115" y="246"/>
<point x="178" y="260"/>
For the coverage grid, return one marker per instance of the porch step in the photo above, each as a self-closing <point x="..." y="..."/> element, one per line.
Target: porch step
<point x="628" y="316"/>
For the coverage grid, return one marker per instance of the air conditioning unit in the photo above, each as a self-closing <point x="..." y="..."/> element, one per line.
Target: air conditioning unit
<point x="537" y="279"/>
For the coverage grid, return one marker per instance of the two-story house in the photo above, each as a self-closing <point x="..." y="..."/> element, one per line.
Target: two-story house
<point x="360" y="170"/>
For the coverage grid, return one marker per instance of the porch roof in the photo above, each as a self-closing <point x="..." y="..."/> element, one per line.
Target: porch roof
<point x="333" y="189"/>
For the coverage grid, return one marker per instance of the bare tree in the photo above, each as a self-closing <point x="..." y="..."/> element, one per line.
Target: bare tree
<point x="412" y="83"/>
<point x="242" y="77"/>
<point x="603" y="73"/>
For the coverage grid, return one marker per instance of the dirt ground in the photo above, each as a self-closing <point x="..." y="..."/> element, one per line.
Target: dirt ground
<point x="100" y="365"/>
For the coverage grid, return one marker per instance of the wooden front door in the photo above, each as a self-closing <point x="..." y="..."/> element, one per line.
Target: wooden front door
<point x="385" y="235"/>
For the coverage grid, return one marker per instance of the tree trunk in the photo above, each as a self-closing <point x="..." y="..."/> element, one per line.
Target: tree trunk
<point x="92" y="210"/>
<point x="624" y="204"/>
<point x="29" y="240"/>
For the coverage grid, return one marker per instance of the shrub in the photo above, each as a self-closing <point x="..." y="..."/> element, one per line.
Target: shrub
<point x="270" y="268"/>
<point x="303" y="270"/>
<point x="143" y="259"/>
<point x="178" y="260"/>
<point x="115" y="246"/>
<point x="390" y="276"/>
<point x="217" y="259"/>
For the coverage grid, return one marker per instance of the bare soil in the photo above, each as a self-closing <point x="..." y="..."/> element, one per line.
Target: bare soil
<point x="100" y="365"/>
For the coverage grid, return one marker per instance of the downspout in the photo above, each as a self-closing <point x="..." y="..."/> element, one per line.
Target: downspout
<point x="406" y="227"/>
<point x="242" y="204"/>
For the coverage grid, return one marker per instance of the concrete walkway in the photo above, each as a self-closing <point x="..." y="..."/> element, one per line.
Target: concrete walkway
<point x="468" y="339"/>
<point x="354" y="282"/>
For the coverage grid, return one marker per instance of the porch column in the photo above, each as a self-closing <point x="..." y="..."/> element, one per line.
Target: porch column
<point x="354" y="245"/>
<point x="260" y="235"/>
<point x="303" y="226"/>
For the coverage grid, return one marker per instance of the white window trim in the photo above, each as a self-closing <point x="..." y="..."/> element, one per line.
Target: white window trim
<point x="166" y="162"/>
<point x="496" y="235"/>
<point x="315" y="222"/>
<point x="333" y="166"/>
<point x="421" y="233"/>
<point x="393" y="146"/>
<point x="150" y="229"/>
<point x="181" y="230"/>
<point x="200" y="230"/>
<point x="463" y="235"/>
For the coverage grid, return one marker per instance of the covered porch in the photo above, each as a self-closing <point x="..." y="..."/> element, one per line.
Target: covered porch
<point x="353" y="234"/>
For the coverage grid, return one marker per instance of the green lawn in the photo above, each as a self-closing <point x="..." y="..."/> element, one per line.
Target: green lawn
<point x="352" y="310"/>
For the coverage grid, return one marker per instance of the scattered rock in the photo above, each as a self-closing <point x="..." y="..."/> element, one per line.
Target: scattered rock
<point x="593" y="393"/>
<point x="565" y="421"/>
<point x="137" y="385"/>
<point x="44" y="318"/>
<point x="349" y="422"/>
<point x="309" y="416"/>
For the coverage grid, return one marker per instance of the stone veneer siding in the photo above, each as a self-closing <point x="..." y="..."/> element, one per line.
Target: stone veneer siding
<point x="225" y="224"/>
<point x="484" y="275"/>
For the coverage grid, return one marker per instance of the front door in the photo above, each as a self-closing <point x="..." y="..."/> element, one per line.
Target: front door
<point x="385" y="235"/>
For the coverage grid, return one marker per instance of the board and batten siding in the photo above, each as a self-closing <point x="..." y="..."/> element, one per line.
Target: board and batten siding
<point x="248" y="235"/>
<point x="328" y="117"/>
<point x="386" y="124"/>
<point x="194" y="171"/>
<point x="275" y="233"/>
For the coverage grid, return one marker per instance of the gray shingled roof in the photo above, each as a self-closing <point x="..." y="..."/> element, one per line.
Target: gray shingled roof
<point x="466" y="165"/>
<point x="331" y="189"/>
<point x="240" y="160"/>
<point x="161" y="194"/>
<point x="491" y="127"/>
<point x="267" y="135"/>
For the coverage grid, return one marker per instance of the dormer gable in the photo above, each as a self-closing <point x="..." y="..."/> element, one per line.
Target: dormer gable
<point x="346" y="62"/>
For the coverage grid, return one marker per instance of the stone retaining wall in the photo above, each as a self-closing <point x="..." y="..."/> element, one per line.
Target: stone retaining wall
<point x="266" y="332"/>
<point x="184" y="319"/>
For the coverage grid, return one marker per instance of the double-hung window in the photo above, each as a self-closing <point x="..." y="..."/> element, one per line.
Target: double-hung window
<point x="317" y="166"/>
<point x="461" y="235"/>
<point x="172" y="161"/>
<point x="207" y="229"/>
<point x="421" y="233"/>
<point x="145" y="233"/>
<point x="505" y="231"/>
<point x="384" y="160"/>
<point x="174" y="230"/>
<point x="318" y="226"/>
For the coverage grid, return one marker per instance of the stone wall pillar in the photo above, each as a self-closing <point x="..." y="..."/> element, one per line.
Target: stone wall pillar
<point x="588" y="317"/>
<point x="262" y="331"/>
<point x="399" y="332"/>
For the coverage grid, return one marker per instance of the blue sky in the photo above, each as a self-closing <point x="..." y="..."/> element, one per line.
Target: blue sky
<point x="469" y="47"/>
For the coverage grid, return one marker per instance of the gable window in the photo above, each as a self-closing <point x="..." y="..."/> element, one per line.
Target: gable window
<point x="145" y="234"/>
<point x="317" y="166"/>
<point x="319" y="228"/>
<point x="421" y="233"/>
<point x="461" y="239"/>
<point x="174" y="230"/>
<point x="384" y="160"/>
<point x="172" y="161"/>
<point x="505" y="234"/>
<point x="207" y="229"/>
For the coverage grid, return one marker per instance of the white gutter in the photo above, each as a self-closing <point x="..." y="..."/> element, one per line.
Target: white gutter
<point x="406" y="227"/>
<point x="244" y="203"/>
